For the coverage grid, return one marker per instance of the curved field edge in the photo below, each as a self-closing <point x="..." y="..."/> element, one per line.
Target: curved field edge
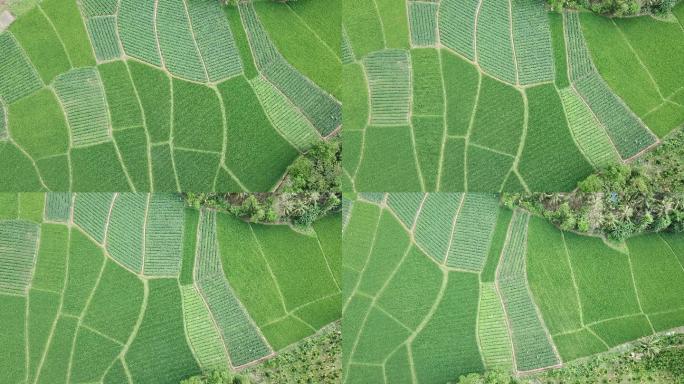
<point x="96" y="308"/>
<point x="141" y="137"/>
<point x="541" y="298"/>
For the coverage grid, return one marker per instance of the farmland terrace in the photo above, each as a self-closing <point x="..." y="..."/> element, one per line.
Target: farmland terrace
<point x="440" y="285"/>
<point x="475" y="95"/>
<point x="137" y="288"/>
<point x="147" y="95"/>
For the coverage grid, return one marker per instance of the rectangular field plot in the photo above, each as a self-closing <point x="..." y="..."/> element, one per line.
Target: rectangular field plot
<point x="473" y="232"/>
<point x="162" y="335"/>
<point x="532" y="40"/>
<point x="164" y="235"/>
<point x="98" y="7"/>
<point x="84" y="102"/>
<point x="423" y="21"/>
<point x="18" y="242"/>
<point x="578" y="344"/>
<point x="262" y="48"/>
<point x="12" y="336"/>
<point x="137" y="30"/>
<point x="457" y="25"/>
<point x="18" y="77"/>
<point x="390" y="86"/>
<point x="102" y="31"/>
<point x="126" y="228"/>
<point x="207" y="259"/>
<point x="121" y="97"/>
<point x="579" y="59"/>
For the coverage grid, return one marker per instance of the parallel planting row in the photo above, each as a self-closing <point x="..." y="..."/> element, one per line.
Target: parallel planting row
<point x="137" y="288"/>
<point x="161" y="96"/>
<point x="440" y="285"/>
<point x="467" y="95"/>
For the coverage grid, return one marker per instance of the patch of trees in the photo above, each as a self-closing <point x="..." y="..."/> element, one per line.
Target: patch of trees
<point x="319" y="169"/>
<point x="296" y="208"/>
<point x="621" y="200"/>
<point x="617" y="7"/>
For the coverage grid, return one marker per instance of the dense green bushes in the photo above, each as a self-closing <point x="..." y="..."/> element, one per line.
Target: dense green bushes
<point x="218" y="377"/>
<point x="297" y="208"/>
<point x="319" y="169"/>
<point x="617" y="7"/>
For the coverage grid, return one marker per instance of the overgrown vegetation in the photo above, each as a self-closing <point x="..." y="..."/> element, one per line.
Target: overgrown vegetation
<point x="319" y="169"/>
<point x="218" y="377"/>
<point x="617" y="7"/>
<point x="651" y="360"/>
<point x="313" y="360"/>
<point x="297" y="208"/>
<point x="621" y="200"/>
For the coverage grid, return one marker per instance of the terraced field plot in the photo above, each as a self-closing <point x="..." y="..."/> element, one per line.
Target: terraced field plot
<point x="165" y="95"/>
<point x="487" y="96"/>
<point x="440" y="285"/>
<point x="137" y="288"/>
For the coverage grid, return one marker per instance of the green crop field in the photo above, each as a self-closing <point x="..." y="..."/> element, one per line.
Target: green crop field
<point x="137" y="288"/>
<point x="143" y="96"/>
<point x="464" y="95"/>
<point x="441" y="285"/>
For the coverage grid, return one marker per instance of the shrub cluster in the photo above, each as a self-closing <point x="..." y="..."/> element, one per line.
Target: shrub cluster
<point x="617" y="7"/>
<point x="621" y="200"/>
<point x="217" y="377"/>
<point x="319" y="169"/>
<point x="297" y="208"/>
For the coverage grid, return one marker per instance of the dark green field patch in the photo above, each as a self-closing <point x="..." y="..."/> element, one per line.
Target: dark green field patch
<point x="197" y="120"/>
<point x="379" y="337"/>
<point x="499" y="117"/>
<point x="578" y="344"/>
<point x="18" y="173"/>
<point x="189" y="246"/>
<point x="55" y="172"/>
<point x="43" y="308"/>
<point x="285" y="332"/>
<point x="453" y="323"/>
<point x="428" y="95"/>
<point x="362" y="23"/>
<point x="85" y="262"/>
<point x="163" y="174"/>
<point x="116" y="303"/>
<point x="558" y="42"/>
<point x="549" y="275"/>
<point x="41" y="44"/>
<point x="388" y="161"/>
<point x="12" y="354"/>
<point x="161" y="335"/>
<point x="64" y="16"/>
<point x="42" y="132"/>
<point x="498" y="239"/>
<point x="241" y="41"/>
<point x="603" y="279"/>
<point x="92" y="355"/>
<point x="622" y="330"/>
<point x="97" y="169"/>
<point x="154" y="89"/>
<point x="354" y="97"/>
<point x="453" y="166"/>
<point x="461" y="83"/>
<point x="486" y="170"/>
<point x="132" y="144"/>
<point x="196" y="170"/>
<point x="54" y="369"/>
<point x="428" y="132"/>
<point x="247" y="271"/>
<point x="123" y="104"/>
<point x="51" y="267"/>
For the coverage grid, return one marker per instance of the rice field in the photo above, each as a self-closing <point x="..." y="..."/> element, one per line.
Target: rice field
<point x="138" y="288"/>
<point x="515" y="293"/>
<point x="501" y="96"/>
<point x="109" y="81"/>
